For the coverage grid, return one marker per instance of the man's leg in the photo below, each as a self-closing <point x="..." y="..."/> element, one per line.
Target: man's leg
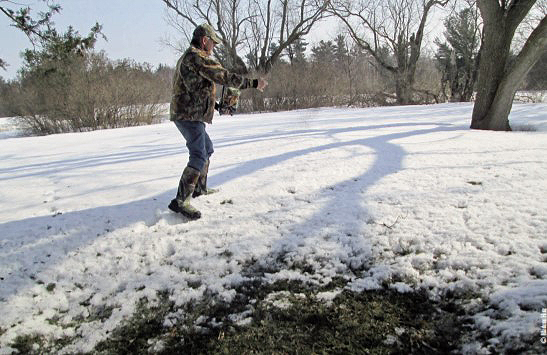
<point x="181" y="204"/>
<point x="208" y="146"/>
<point x="201" y="186"/>
<point x="196" y="142"/>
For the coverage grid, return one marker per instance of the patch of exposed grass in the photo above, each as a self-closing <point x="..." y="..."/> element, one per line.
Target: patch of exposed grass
<point x="133" y="336"/>
<point x="377" y="322"/>
<point x="38" y="344"/>
<point x="286" y="317"/>
<point x="28" y="344"/>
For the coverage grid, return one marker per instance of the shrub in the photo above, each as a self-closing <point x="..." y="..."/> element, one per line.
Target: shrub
<point x="65" y="87"/>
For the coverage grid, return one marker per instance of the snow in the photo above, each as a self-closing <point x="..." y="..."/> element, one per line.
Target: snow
<point x="407" y="197"/>
<point x="8" y="128"/>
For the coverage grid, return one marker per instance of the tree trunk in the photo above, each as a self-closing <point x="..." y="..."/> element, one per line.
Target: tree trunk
<point x="497" y="81"/>
<point x="494" y="53"/>
<point x="403" y="88"/>
<point x="401" y="92"/>
<point x="530" y="54"/>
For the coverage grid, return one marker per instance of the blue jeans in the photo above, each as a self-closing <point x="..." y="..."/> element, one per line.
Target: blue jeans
<point x="198" y="142"/>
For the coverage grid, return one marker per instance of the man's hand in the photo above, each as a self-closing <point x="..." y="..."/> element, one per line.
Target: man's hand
<point x="262" y="84"/>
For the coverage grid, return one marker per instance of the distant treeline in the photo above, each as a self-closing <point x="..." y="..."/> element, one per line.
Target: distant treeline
<point x="86" y="93"/>
<point x="66" y="91"/>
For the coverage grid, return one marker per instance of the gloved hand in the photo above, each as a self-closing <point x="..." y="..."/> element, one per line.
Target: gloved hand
<point x="225" y="109"/>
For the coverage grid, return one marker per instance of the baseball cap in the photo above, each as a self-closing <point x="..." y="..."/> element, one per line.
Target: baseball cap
<point x="206" y="30"/>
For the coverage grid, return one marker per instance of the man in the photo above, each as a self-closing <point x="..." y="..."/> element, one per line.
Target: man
<point x="192" y="105"/>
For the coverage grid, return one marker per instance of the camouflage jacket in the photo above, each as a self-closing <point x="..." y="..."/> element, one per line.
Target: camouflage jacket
<point x="194" y="88"/>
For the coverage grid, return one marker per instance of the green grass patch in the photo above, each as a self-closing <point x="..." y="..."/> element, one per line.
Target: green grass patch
<point x="293" y="322"/>
<point x="35" y="344"/>
<point x="287" y="317"/>
<point x="28" y="344"/>
<point x="379" y="322"/>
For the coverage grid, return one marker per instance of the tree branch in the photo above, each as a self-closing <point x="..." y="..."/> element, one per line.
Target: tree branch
<point x="173" y="5"/>
<point x="517" y="10"/>
<point x="491" y="11"/>
<point x="343" y="12"/>
<point x="530" y="53"/>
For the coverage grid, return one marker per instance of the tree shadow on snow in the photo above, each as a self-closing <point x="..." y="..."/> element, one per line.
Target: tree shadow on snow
<point x="55" y="237"/>
<point x="297" y="248"/>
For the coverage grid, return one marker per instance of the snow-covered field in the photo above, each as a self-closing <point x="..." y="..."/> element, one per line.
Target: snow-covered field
<point x="403" y="196"/>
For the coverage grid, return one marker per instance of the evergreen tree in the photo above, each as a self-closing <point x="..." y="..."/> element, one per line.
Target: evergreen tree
<point x="341" y="50"/>
<point x="4" y="89"/>
<point x="273" y="48"/>
<point x="324" y="52"/>
<point x="458" y="57"/>
<point x="297" y="51"/>
<point x="34" y="28"/>
<point x="300" y="51"/>
<point x="47" y="77"/>
<point x="57" y="49"/>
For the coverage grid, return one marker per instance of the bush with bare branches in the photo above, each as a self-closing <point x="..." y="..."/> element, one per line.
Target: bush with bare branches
<point x="88" y="93"/>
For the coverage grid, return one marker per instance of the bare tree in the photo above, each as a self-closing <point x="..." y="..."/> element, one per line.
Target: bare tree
<point x="262" y="28"/>
<point x="394" y="24"/>
<point x="285" y="22"/>
<point x="498" y="77"/>
<point x="228" y="17"/>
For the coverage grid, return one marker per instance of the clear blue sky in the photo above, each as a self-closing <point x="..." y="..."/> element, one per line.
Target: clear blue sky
<point x="134" y="29"/>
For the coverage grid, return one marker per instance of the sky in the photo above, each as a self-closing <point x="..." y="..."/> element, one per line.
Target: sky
<point x="134" y="29"/>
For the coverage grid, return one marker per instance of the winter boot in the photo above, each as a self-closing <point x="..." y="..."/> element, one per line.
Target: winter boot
<point x="187" y="185"/>
<point x="201" y="186"/>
